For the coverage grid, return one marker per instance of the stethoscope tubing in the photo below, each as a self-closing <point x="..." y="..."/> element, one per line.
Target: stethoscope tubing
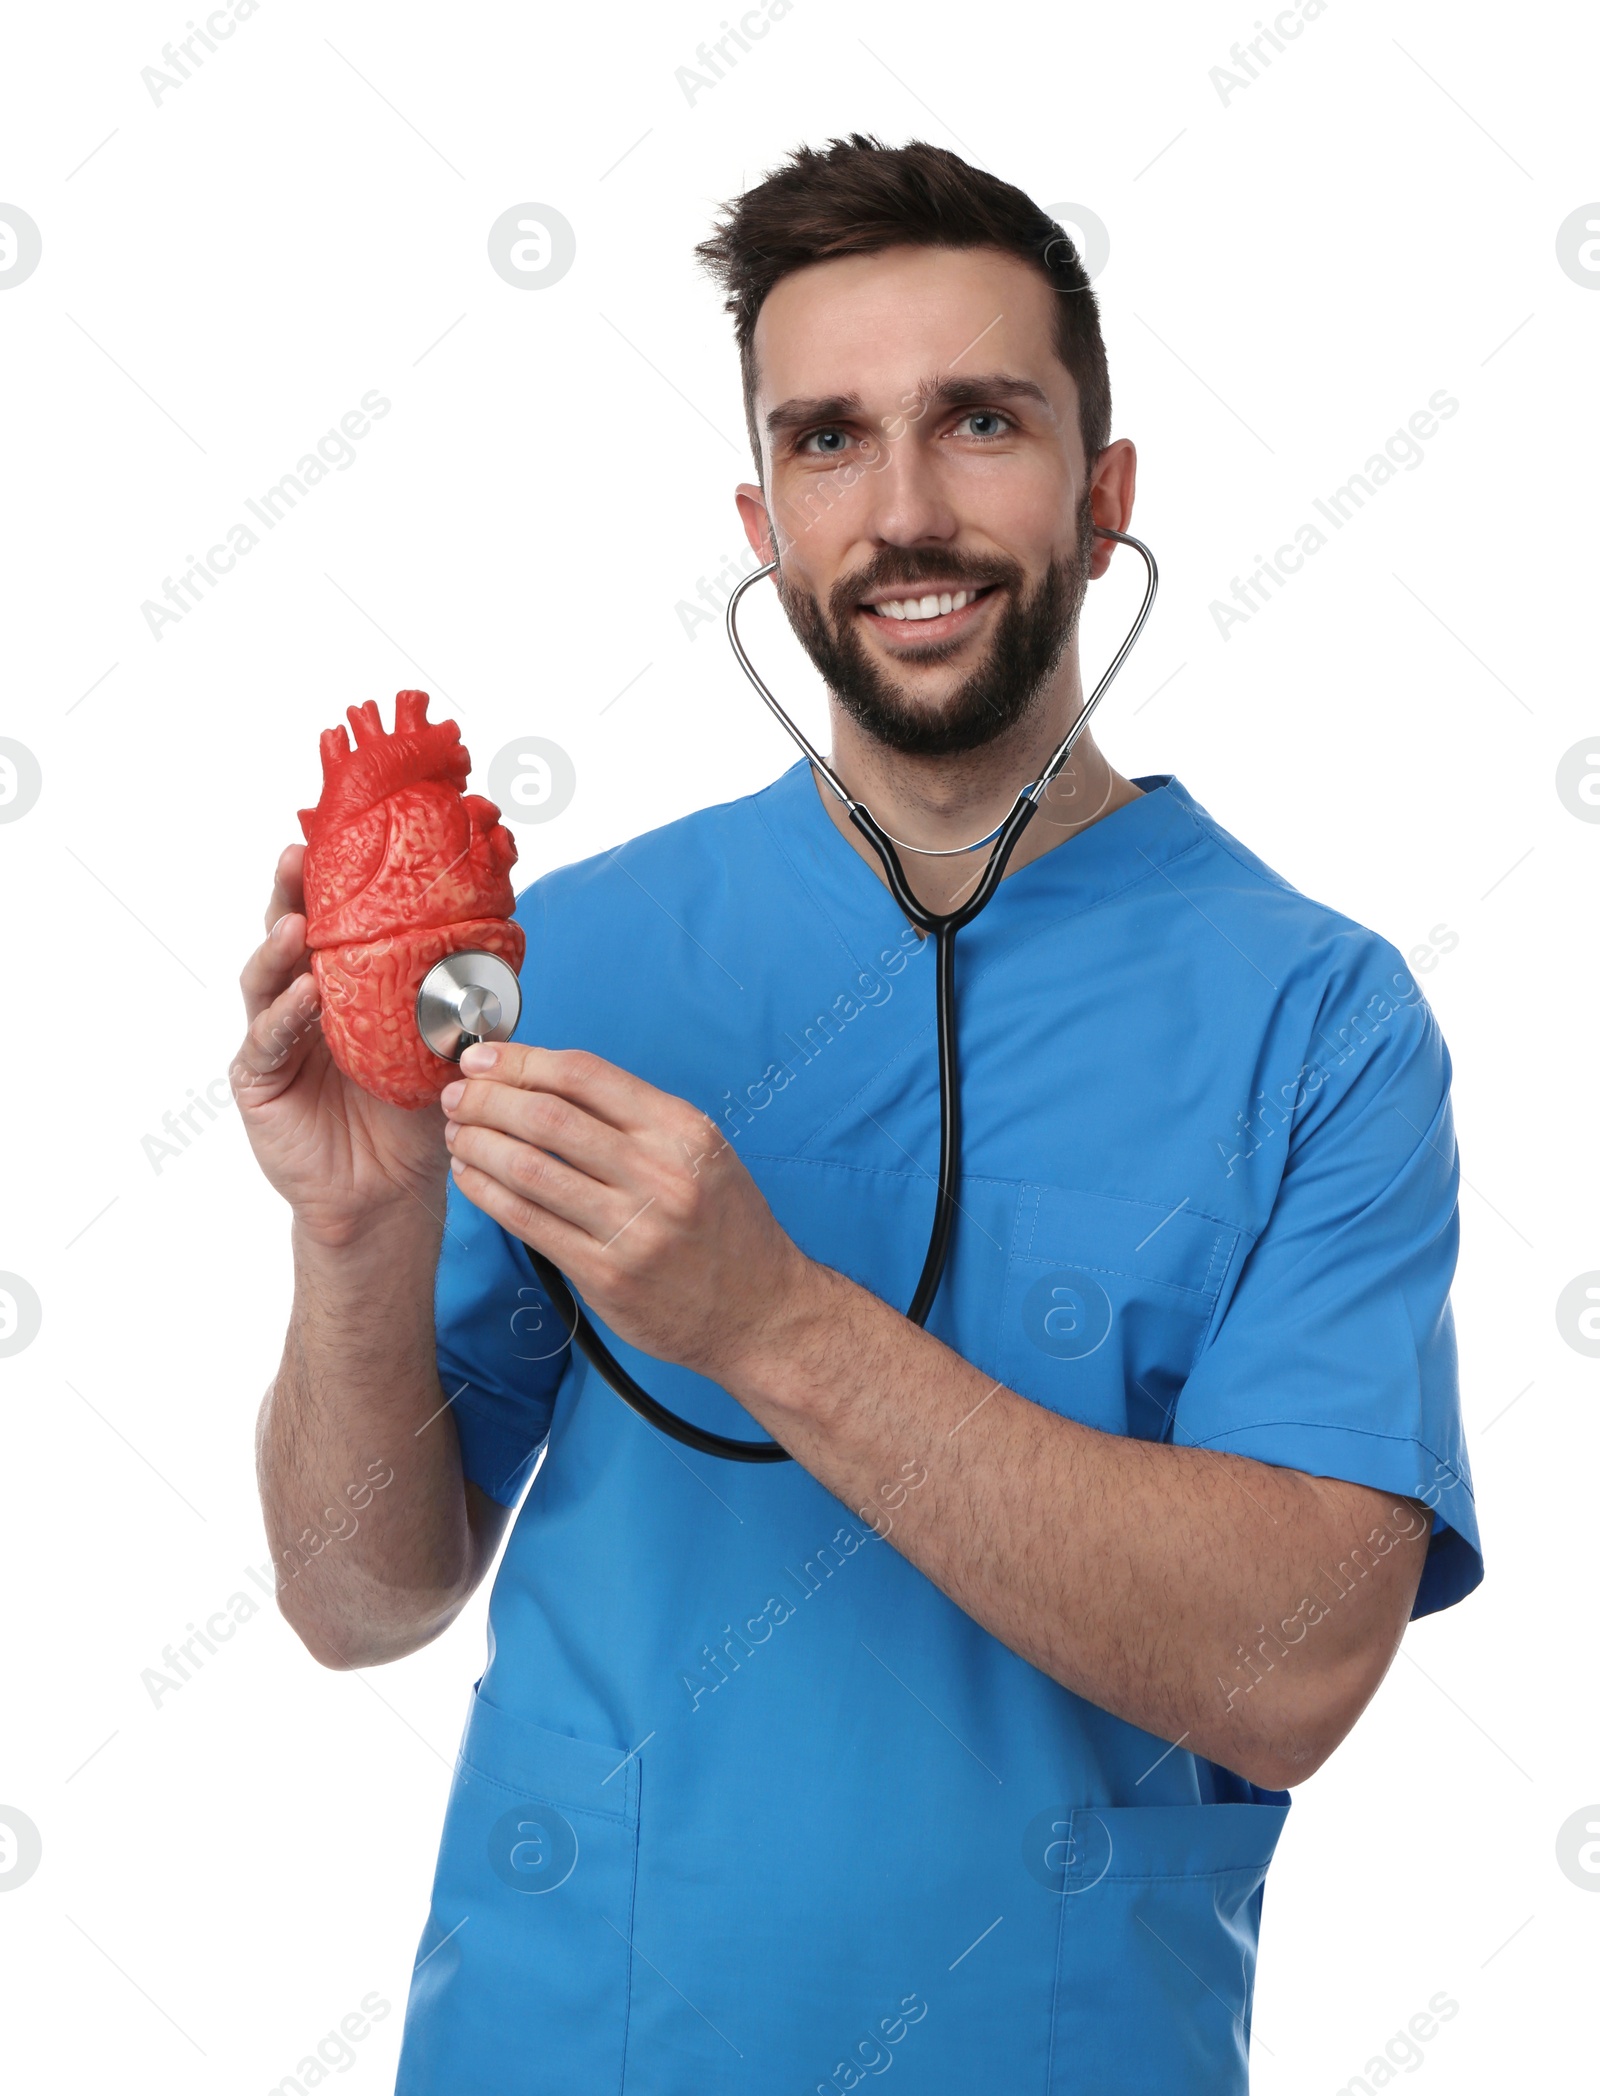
<point x="942" y="927"/>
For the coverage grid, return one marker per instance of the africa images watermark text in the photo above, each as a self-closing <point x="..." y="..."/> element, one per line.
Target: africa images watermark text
<point x="335" y="453"/>
<point x="1403" y="451"/>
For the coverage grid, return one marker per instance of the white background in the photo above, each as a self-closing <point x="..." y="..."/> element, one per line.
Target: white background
<point x="1293" y="272"/>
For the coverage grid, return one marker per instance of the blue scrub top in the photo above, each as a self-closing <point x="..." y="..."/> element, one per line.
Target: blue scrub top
<point x="744" y="1802"/>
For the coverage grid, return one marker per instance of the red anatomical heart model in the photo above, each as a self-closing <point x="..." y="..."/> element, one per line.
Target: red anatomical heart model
<point x="402" y="867"/>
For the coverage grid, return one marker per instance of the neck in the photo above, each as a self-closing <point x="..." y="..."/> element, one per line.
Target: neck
<point x="941" y="802"/>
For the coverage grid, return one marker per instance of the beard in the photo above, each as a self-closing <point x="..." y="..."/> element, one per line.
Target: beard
<point x="1029" y="641"/>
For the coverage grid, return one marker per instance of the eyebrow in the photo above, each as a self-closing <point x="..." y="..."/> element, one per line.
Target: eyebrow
<point x="966" y="391"/>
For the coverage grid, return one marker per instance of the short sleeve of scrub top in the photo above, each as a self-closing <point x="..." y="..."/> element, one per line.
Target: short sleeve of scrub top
<point x="501" y="1350"/>
<point x="1334" y="1353"/>
<point x="744" y="1801"/>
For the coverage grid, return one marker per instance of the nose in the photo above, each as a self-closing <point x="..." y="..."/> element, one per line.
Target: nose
<point x="905" y="499"/>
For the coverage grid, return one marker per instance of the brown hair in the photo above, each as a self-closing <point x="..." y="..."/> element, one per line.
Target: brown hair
<point x="859" y="196"/>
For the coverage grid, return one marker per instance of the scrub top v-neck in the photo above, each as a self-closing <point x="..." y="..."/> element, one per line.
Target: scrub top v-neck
<point x="744" y="1803"/>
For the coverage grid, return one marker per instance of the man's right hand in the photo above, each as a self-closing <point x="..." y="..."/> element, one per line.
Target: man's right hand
<point x="341" y="1159"/>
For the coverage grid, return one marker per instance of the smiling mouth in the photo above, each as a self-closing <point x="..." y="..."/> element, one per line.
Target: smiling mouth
<point x="930" y="615"/>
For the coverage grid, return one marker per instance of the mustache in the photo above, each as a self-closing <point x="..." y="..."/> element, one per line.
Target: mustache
<point x="903" y="567"/>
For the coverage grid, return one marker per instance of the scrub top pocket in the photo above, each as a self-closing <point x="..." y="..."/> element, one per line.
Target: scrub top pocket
<point x="1161" y="1908"/>
<point x="1106" y="1303"/>
<point x="522" y="1980"/>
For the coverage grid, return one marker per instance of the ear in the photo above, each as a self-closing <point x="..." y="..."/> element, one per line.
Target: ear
<point x="1111" y="497"/>
<point x="758" y="528"/>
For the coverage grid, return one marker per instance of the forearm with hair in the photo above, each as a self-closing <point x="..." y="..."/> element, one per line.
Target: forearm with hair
<point x="357" y="1457"/>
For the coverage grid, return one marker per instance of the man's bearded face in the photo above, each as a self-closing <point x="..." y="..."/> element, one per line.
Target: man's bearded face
<point x="1029" y="636"/>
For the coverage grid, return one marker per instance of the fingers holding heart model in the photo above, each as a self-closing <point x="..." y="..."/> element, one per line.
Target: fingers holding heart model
<point x="403" y="868"/>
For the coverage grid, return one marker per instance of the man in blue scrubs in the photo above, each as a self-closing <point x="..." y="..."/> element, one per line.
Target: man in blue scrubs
<point x="962" y="1742"/>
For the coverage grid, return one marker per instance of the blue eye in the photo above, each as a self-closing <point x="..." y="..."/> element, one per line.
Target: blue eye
<point x="805" y="440"/>
<point x="988" y="415"/>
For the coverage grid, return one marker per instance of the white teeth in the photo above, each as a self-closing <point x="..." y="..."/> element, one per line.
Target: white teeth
<point x="929" y="607"/>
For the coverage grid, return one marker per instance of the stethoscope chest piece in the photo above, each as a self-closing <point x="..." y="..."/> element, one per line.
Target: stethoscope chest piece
<point x="466" y="997"/>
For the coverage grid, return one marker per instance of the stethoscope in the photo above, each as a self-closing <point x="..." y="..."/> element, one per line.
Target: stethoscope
<point x="473" y="996"/>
